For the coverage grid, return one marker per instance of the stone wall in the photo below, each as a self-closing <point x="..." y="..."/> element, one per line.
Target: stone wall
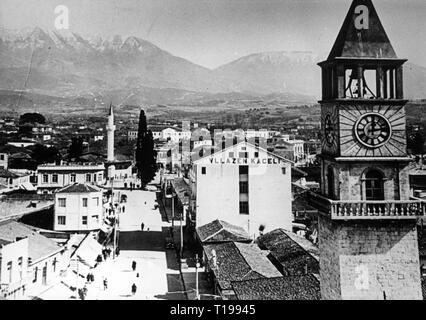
<point x="369" y="260"/>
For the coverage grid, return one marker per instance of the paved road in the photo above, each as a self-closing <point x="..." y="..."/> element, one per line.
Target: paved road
<point x="159" y="276"/>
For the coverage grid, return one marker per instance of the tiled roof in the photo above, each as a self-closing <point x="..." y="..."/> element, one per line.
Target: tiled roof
<point x="39" y="246"/>
<point x="79" y="188"/>
<point x="305" y="287"/>
<point x="238" y="261"/>
<point x="182" y="189"/>
<point x="12" y="207"/>
<point x="3" y="242"/>
<point x="8" y="174"/>
<point x="295" y="255"/>
<point x="222" y="231"/>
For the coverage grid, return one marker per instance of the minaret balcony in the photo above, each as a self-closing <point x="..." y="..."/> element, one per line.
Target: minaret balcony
<point x="368" y="210"/>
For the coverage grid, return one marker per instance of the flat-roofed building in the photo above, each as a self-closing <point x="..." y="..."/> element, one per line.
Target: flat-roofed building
<point x="244" y="185"/>
<point x="52" y="177"/>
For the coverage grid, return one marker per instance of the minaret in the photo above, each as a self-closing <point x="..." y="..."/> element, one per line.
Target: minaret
<point x="367" y="226"/>
<point x="110" y="129"/>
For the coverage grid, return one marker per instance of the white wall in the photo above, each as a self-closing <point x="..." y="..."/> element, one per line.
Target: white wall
<point x="74" y="211"/>
<point x="217" y="196"/>
<point x="12" y="252"/>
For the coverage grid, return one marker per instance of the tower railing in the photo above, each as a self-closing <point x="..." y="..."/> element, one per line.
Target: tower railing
<point x="364" y="209"/>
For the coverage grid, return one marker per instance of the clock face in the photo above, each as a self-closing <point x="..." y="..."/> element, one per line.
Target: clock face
<point x="329" y="130"/>
<point x="373" y="130"/>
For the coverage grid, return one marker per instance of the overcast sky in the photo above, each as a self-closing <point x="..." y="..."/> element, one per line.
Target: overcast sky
<point x="214" y="32"/>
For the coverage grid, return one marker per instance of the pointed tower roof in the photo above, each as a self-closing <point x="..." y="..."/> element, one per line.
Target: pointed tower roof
<point x="111" y="110"/>
<point x="362" y="38"/>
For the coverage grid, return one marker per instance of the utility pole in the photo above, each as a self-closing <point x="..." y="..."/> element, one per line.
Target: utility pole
<point x="181" y="236"/>
<point x="197" y="265"/>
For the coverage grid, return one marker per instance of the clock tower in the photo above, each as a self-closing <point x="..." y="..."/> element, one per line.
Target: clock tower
<point x="367" y="226"/>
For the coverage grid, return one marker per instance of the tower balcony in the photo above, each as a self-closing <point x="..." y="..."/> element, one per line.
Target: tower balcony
<point x="368" y="210"/>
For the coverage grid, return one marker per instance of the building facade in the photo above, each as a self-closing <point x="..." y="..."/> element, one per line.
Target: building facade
<point x="54" y="177"/>
<point x="244" y="185"/>
<point x="78" y="207"/>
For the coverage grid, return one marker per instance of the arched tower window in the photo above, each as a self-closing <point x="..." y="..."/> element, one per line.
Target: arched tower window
<point x="374" y="185"/>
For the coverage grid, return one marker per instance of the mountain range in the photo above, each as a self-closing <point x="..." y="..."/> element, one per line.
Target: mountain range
<point x="133" y="70"/>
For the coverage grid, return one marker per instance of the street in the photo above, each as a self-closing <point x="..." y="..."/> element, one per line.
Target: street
<point x="158" y="270"/>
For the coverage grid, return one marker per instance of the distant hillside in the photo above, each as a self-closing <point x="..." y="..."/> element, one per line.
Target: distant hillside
<point x="68" y="65"/>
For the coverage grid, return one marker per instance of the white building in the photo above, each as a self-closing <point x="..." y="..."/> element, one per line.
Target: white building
<point x="244" y="185"/>
<point x="78" y="207"/>
<point x="4" y="160"/>
<point x="15" y="180"/>
<point x="51" y="177"/>
<point x="172" y="134"/>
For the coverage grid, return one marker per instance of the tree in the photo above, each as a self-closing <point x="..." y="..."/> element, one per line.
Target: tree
<point x="32" y="118"/>
<point x="146" y="156"/>
<point x="76" y="148"/>
<point x="42" y="154"/>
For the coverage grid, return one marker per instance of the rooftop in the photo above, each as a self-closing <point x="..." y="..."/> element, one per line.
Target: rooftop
<point x="238" y="261"/>
<point x="79" y="188"/>
<point x="39" y="246"/>
<point x="15" y="207"/>
<point x="295" y="255"/>
<point x="370" y="42"/>
<point x="305" y="287"/>
<point x="222" y="231"/>
<point x="182" y="189"/>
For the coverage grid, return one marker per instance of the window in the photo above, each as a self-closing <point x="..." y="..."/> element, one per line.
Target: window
<point x="72" y="177"/>
<point x="243" y="154"/>
<point x="374" y="187"/>
<point x="95" y="219"/>
<point x="84" y="220"/>
<point x="1" y="156"/>
<point x="243" y="186"/>
<point x="231" y="155"/>
<point x="55" y="261"/>
<point x="62" y="202"/>
<point x="88" y="177"/>
<point x="94" y="178"/>
<point x="85" y="202"/>
<point x="96" y="201"/>
<point x="203" y="170"/>
<point x="243" y="169"/>
<point x="55" y="178"/>
<point x="244" y="209"/>
<point x="35" y="274"/>
<point x="100" y="177"/>
<point x="9" y="271"/>
<point x="256" y="154"/>
<point x="61" y="220"/>
<point x="20" y="267"/>
<point x="284" y="170"/>
<point x="45" y="178"/>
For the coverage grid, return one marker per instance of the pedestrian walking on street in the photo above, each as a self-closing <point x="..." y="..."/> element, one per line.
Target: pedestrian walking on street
<point x="105" y="283"/>
<point x="134" y="288"/>
<point x="124" y="209"/>
<point x="134" y="265"/>
<point x="88" y="278"/>
<point x="142" y="226"/>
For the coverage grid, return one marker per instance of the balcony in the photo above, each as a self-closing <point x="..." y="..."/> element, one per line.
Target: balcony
<point x="368" y="210"/>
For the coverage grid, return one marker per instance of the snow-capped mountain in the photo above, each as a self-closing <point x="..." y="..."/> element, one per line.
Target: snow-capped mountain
<point x="64" y="63"/>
